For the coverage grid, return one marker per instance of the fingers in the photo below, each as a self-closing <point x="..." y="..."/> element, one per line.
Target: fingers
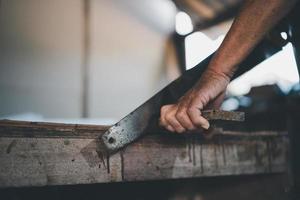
<point x="185" y="115"/>
<point x="194" y="113"/>
<point x="172" y="121"/>
<point x="177" y="119"/>
<point x="195" y="116"/>
<point x="163" y="111"/>
<point x="183" y="119"/>
<point x="163" y="122"/>
<point x="169" y="120"/>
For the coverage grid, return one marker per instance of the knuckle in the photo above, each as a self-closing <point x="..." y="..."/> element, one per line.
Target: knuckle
<point x="185" y="122"/>
<point x="171" y="120"/>
<point x="203" y="99"/>
<point x="180" y="115"/>
<point x="190" y="111"/>
<point x="163" y="109"/>
<point x="169" y="117"/>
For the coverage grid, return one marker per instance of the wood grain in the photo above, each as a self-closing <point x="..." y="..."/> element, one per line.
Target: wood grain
<point x="38" y="154"/>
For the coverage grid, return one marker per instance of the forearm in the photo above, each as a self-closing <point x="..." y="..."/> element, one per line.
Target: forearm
<point x="255" y="19"/>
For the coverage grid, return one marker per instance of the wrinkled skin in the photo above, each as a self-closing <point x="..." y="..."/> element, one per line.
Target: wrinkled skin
<point x="185" y="115"/>
<point x="255" y="19"/>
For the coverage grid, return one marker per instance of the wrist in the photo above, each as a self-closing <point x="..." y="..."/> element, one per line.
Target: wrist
<point x="218" y="73"/>
<point x="211" y="83"/>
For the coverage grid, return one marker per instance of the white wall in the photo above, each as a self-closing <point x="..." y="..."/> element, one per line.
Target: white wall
<point x="41" y="55"/>
<point x="126" y="59"/>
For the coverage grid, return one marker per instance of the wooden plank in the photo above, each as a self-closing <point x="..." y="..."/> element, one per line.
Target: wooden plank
<point x="166" y="157"/>
<point x="9" y="128"/>
<point x="44" y="161"/>
<point x="37" y="154"/>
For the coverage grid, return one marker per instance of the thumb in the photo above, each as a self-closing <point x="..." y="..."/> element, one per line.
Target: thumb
<point x="217" y="102"/>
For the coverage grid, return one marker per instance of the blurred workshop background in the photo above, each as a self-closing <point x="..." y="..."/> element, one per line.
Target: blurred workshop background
<point x="94" y="61"/>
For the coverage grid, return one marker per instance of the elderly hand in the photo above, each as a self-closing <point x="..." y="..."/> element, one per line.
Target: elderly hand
<point x="185" y="115"/>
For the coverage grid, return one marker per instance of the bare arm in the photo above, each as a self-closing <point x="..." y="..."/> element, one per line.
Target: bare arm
<point x="255" y="19"/>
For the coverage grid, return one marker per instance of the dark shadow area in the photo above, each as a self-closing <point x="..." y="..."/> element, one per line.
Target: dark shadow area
<point x="231" y="187"/>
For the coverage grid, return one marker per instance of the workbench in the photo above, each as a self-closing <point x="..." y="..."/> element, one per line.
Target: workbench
<point x="41" y="154"/>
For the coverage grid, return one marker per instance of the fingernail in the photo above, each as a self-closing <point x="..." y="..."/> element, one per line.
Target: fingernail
<point x="169" y="128"/>
<point x="182" y="130"/>
<point x="206" y="126"/>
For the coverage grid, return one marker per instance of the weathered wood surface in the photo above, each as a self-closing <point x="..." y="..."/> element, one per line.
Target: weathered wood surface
<point x="38" y="154"/>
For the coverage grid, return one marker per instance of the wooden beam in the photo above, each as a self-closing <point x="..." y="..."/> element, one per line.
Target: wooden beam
<point x="38" y="154"/>
<point x="201" y="8"/>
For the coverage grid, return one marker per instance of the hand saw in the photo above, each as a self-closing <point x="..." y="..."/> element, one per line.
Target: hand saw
<point x="145" y="118"/>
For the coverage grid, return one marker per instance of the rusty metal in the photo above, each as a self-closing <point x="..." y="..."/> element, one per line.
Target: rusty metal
<point x="223" y="115"/>
<point x="123" y="132"/>
<point x="145" y="117"/>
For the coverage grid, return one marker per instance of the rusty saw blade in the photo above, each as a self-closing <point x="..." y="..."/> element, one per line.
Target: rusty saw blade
<point x="145" y="118"/>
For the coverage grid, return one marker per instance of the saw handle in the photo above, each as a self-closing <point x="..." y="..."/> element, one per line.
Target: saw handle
<point x="223" y="115"/>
